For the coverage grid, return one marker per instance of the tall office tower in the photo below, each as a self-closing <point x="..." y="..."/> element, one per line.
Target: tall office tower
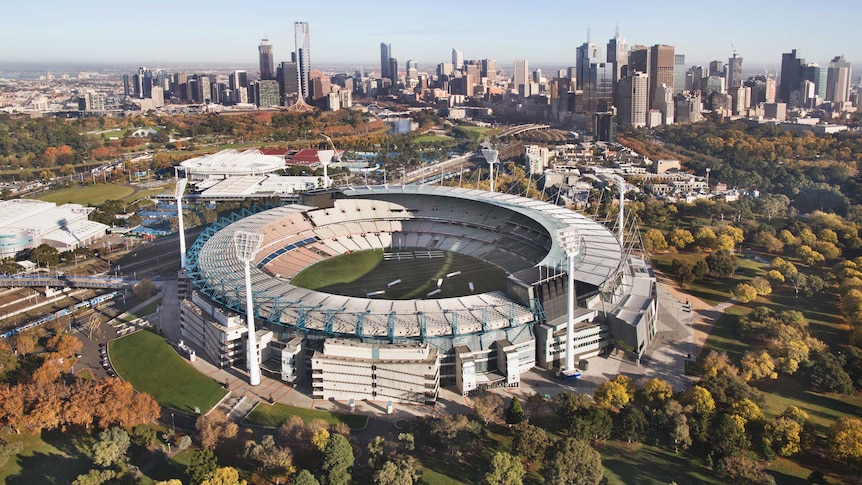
<point x="457" y="59"/>
<point x="489" y="70"/>
<point x="586" y="54"/>
<point x="522" y="74"/>
<point x="287" y="75"/>
<point x="138" y="81"/>
<point x="444" y="69"/>
<point x="633" y="106"/>
<point x="678" y="73"/>
<point x="303" y="57"/>
<point x="412" y="69"/>
<point x="664" y="103"/>
<point x="838" y="80"/>
<point x="237" y="80"/>
<point x="618" y="55"/>
<point x="639" y="59"/>
<point x="472" y="76"/>
<point x="734" y="72"/>
<point x="817" y="75"/>
<point x="202" y="93"/>
<point x="267" y="69"/>
<point x="693" y="78"/>
<point x="385" y="55"/>
<point x="661" y="60"/>
<point x="791" y="75"/>
<point x="393" y="70"/>
<point x="127" y="85"/>
<point x="716" y="68"/>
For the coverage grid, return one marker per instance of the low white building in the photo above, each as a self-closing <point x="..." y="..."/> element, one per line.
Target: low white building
<point x="26" y="223"/>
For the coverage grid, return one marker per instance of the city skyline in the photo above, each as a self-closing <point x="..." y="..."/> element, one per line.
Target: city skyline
<point x="350" y="33"/>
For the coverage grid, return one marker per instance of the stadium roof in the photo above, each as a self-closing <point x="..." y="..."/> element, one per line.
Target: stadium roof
<point x="232" y="162"/>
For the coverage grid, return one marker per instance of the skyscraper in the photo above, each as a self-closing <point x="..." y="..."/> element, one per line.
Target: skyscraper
<point x="303" y="56"/>
<point x="288" y="82"/>
<point x="678" y="73"/>
<point x="734" y="72"/>
<point x="522" y="74"/>
<point x="661" y="62"/>
<point x="267" y="69"/>
<point x="618" y="55"/>
<point x="838" y="80"/>
<point x="791" y="75"/>
<point x="385" y="54"/>
<point x="587" y="53"/>
<point x="489" y="70"/>
<point x="639" y="59"/>
<point x="633" y="106"/>
<point x="817" y="75"/>
<point x="457" y="59"/>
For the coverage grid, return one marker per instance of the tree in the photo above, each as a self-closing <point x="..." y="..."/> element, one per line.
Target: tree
<point x="727" y="437"/>
<point x="214" y="427"/>
<point x="744" y="292"/>
<point x="614" y="393"/>
<point x="24" y="342"/>
<point x="376" y="452"/>
<point x="845" y="440"/>
<point x="809" y="256"/>
<point x="111" y="448"/>
<point x="725" y="242"/>
<point x="402" y="472"/>
<point x="202" y="465"/>
<point x="95" y="477"/>
<point x="144" y="289"/>
<point x="305" y="477"/>
<point x="632" y="425"/>
<point x="656" y="391"/>
<point x="337" y="460"/>
<point x="774" y="277"/>
<point x="722" y="264"/>
<point x="680" y="238"/>
<point x="654" y="240"/>
<point x="683" y="271"/>
<point x="786" y="268"/>
<point x="567" y="404"/>
<point x="761" y="285"/>
<point x="704" y="237"/>
<point x="515" y="413"/>
<point x="8" y="449"/>
<point x="271" y="460"/>
<point x="224" y="476"/>
<point x="825" y="373"/>
<point x="783" y="435"/>
<point x="505" y="470"/>
<point x="488" y="406"/>
<point x="572" y="460"/>
<point x="700" y="269"/>
<point x="406" y="442"/>
<point x="529" y="442"/>
<point x="742" y="469"/>
<point x="45" y="255"/>
<point x="757" y="365"/>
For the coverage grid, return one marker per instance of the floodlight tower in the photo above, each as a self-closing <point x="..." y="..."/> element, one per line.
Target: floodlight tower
<point x="178" y="194"/>
<point x="247" y="245"/>
<point x="621" y="217"/>
<point x="570" y="240"/>
<point x="492" y="157"/>
<point x="325" y="157"/>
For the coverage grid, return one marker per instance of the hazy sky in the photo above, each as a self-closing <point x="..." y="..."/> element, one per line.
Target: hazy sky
<point x="160" y="33"/>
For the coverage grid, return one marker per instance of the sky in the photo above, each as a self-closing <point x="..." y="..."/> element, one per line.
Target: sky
<point x="159" y="33"/>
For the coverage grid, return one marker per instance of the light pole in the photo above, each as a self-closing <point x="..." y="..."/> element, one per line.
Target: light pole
<point x="247" y="244"/>
<point x="325" y="158"/>
<point x="178" y="194"/>
<point x="492" y="157"/>
<point x="707" y="178"/>
<point x="173" y="428"/>
<point x="570" y="240"/>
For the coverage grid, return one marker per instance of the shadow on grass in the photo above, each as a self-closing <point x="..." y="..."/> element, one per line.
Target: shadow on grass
<point x="49" y="468"/>
<point x="822" y="408"/>
<point x="650" y="465"/>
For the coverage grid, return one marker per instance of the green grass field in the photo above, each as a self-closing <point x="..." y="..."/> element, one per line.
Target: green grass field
<point x="363" y="272"/>
<point x="431" y="139"/>
<point x="274" y="415"/>
<point x="708" y="289"/>
<point x="641" y="464"/>
<point x="49" y="457"/>
<point x="88" y="195"/>
<point x="152" y="366"/>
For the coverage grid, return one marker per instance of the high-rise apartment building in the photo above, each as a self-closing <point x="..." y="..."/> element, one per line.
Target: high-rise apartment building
<point x="303" y="57"/>
<point x="237" y="80"/>
<point x="393" y="70"/>
<point x="266" y="94"/>
<point x="385" y="55"/>
<point x="267" y="68"/>
<point x="522" y="74"/>
<point x="661" y="63"/>
<point x="633" y="96"/>
<point x="716" y="68"/>
<point x="287" y="76"/>
<point x="838" y="80"/>
<point x="791" y="75"/>
<point x="734" y="72"/>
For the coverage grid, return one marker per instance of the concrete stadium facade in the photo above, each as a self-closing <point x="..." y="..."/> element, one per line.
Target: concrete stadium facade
<point x="403" y="350"/>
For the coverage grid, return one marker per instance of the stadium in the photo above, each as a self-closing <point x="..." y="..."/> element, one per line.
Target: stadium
<point x="437" y="286"/>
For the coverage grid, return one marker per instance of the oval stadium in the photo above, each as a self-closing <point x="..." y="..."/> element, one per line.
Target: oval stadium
<point x="436" y="286"/>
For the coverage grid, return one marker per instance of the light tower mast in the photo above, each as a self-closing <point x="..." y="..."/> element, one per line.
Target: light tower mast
<point x="178" y="194"/>
<point x="492" y="157"/>
<point x="247" y="244"/>
<point x="570" y="240"/>
<point x="621" y="218"/>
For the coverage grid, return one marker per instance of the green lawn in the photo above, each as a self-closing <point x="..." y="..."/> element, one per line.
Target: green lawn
<point x="822" y="409"/>
<point x="142" y="312"/>
<point x="274" y="415"/>
<point x="147" y="193"/>
<point x="641" y="464"/>
<point x="89" y="194"/>
<point x="357" y="274"/>
<point x="49" y="457"/>
<point x="711" y="290"/>
<point x="431" y="139"/>
<point x="723" y="338"/>
<point x="152" y="366"/>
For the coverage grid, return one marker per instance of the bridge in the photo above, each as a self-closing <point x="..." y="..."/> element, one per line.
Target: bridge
<point x="517" y="130"/>
<point x="64" y="281"/>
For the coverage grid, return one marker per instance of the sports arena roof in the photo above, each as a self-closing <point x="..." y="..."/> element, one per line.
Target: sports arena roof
<point x="231" y="162"/>
<point x="510" y="231"/>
